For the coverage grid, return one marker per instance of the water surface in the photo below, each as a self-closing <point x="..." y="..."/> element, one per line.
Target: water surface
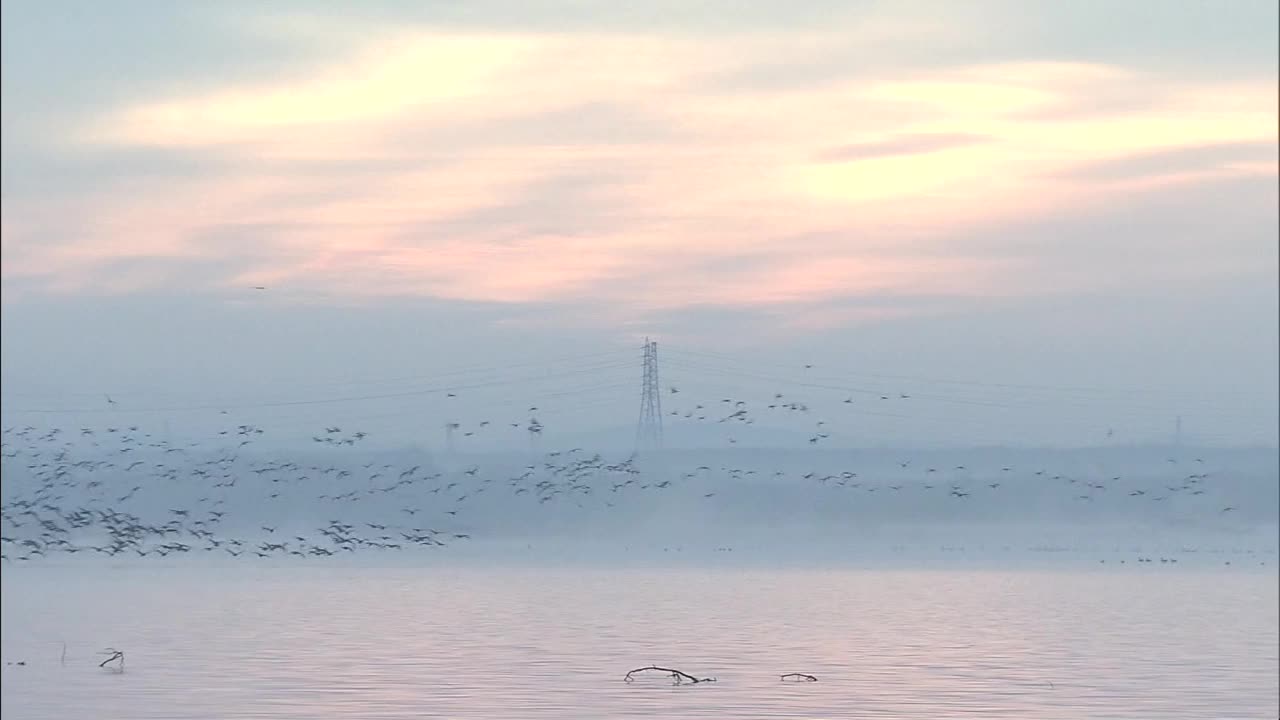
<point x="295" y="642"/>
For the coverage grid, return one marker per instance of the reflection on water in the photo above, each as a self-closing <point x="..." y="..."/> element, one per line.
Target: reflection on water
<point x="382" y="643"/>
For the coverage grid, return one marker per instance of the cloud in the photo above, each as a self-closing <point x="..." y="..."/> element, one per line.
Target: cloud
<point x="1183" y="239"/>
<point x="900" y="145"/>
<point x="612" y="169"/>
<point x="1178" y="161"/>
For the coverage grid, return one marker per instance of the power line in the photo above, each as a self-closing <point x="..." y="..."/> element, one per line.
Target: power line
<point x="323" y="401"/>
<point x="595" y="374"/>
<point x="937" y="381"/>
<point x="434" y="377"/>
<point x="854" y="389"/>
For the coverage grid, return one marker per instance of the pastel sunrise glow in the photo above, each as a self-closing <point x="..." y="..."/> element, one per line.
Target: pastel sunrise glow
<point x="745" y="176"/>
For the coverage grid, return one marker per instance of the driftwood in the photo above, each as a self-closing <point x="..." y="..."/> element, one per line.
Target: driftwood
<point x="800" y="677"/>
<point x="676" y="675"/>
<point x="114" y="655"/>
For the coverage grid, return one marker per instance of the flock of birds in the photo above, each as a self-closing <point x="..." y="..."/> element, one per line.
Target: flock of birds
<point x="122" y="491"/>
<point x="79" y="503"/>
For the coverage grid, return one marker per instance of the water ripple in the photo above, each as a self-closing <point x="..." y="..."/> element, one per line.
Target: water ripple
<point x="399" y="643"/>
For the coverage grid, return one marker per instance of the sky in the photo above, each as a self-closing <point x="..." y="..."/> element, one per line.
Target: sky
<point x="1044" y="222"/>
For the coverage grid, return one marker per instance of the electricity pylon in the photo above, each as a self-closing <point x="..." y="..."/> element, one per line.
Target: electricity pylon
<point x="649" y="429"/>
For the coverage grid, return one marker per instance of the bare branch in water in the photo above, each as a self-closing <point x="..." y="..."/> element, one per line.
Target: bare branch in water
<point x="114" y="655"/>
<point x="676" y="675"/>
<point x="800" y="677"/>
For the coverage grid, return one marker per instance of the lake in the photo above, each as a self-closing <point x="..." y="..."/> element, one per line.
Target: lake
<point x="490" y="642"/>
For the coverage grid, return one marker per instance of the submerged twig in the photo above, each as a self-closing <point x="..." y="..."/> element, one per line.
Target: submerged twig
<point x="676" y="675"/>
<point x="114" y="655"/>
<point x="801" y="677"/>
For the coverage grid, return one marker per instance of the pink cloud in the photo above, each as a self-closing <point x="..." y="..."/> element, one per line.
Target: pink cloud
<point x="371" y="176"/>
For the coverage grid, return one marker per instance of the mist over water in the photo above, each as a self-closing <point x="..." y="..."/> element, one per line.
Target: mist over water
<point x="252" y="581"/>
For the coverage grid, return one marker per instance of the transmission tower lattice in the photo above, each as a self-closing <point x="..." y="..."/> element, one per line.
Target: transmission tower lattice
<point x="649" y="429"/>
